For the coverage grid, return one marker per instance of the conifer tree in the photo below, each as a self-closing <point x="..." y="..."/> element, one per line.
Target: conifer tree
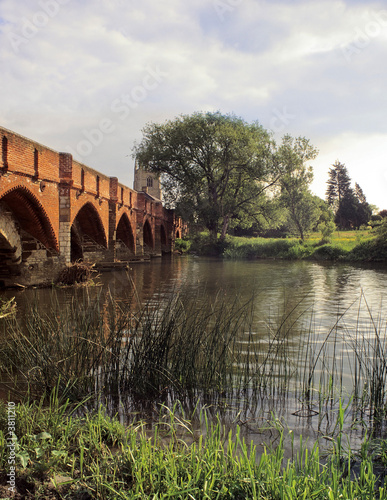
<point x="339" y="184"/>
<point x="350" y="205"/>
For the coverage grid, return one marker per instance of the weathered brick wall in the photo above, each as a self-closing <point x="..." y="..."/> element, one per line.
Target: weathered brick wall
<point x="53" y="190"/>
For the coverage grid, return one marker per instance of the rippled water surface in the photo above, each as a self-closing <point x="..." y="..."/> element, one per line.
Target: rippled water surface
<point x="317" y="293"/>
<point x="328" y="289"/>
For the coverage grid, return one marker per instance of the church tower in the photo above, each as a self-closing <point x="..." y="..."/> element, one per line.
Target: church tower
<point x="147" y="182"/>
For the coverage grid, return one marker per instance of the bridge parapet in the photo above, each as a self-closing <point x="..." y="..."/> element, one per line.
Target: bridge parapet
<point x="26" y="157"/>
<point x="73" y="211"/>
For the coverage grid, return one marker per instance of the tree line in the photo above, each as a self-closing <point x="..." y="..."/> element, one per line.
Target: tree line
<point x="223" y="173"/>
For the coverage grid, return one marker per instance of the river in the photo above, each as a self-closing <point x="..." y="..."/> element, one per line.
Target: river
<point x="322" y="296"/>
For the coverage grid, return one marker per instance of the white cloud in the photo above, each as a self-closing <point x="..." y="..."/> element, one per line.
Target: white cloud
<point x="305" y="61"/>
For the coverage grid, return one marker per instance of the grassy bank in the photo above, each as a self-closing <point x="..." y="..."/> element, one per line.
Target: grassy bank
<point x="61" y="455"/>
<point x="356" y="246"/>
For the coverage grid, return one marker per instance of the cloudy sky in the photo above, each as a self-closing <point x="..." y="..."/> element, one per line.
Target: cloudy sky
<point x="85" y="76"/>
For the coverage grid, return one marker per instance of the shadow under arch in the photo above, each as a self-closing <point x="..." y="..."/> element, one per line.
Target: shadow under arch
<point x="87" y="227"/>
<point x="124" y="232"/>
<point x="163" y="236"/>
<point x="31" y="216"/>
<point x="148" y="236"/>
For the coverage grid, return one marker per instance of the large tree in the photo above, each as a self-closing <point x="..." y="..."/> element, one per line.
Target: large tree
<point x="339" y="185"/>
<point x="350" y="205"/>
<point x="302" y="207"/>
<point x="214" y="168"/>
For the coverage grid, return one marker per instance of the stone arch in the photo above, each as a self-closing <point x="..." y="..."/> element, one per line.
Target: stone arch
<point x="10" y="240"/>
<point x="11" y="246"/>
<point x="86" y="231"/>
<point x="148" y="236"/>
<point x="124" y="233"/>
<point x="31" y="216"/>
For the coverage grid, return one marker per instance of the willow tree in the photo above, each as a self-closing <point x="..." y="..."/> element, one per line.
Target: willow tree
<point x="213" y="167"/>
<point x="303" y="210"/>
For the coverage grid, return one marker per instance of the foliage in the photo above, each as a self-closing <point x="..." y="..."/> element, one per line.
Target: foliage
<point x="218" y="170"/>
<point x="295" y="196"/>
<point x="350" y="205"/>
<point x="375" y="249"/>
<point x="348" y="246"/>
<point x="339" y="184"/>
<point x="375" y="221"/>
<point x="182" y="244"/>
<point x="213" y="167"/>
<point x="93" y="456"/>
<point x="326" y="229"/>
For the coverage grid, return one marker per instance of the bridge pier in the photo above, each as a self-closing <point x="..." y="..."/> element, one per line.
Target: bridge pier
<point x="54" y="210"/>
<point x="65" y="174"/>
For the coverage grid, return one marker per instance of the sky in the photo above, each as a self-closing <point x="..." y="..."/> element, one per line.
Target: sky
<point x="85" y="76"/>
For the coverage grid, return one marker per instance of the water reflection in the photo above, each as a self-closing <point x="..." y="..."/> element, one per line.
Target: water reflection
<point x="305" y="299"/>
<point x="277" y="286"/>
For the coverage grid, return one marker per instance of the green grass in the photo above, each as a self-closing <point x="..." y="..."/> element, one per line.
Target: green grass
<point x="343" y="245"/>
<point x="361" y="245"/>
<point x="64" y="455"/>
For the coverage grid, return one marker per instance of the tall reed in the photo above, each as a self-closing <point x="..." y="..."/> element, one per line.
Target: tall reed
<point x="184" y="348"/>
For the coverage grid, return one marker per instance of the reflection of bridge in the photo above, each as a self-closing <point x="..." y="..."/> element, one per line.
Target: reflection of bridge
<point x="54" y="210"/>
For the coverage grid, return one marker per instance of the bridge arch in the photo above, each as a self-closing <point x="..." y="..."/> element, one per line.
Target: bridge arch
<point x="11" y="247"/>
<point x="148" y="235"/>
<point x="10" y="240"/>
<point x="86" y="231"/>
<point x="124" y="233"/>
<point x="31" y="216"/>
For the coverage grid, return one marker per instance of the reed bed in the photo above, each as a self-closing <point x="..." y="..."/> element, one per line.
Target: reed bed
<point x="183" y="349"/>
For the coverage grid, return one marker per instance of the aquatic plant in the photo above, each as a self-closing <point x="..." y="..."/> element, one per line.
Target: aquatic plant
<point x="184" y="348"/>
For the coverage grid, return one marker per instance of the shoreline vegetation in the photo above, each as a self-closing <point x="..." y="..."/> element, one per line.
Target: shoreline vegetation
<point x="119" y="402"/>
<point x="63" y="455"/>
<point x="346" y="246"/>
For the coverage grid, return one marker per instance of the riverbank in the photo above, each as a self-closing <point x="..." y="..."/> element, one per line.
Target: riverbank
<point x="57" y="451"/>
<point x="346" y="246"/>
<point x="183" y="372"/>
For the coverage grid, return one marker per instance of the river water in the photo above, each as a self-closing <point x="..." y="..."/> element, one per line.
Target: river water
<point x="276" y="284"/>
<point x="322" y="296"/>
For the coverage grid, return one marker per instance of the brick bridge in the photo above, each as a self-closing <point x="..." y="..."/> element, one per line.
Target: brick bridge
<point x="54" y="211"/>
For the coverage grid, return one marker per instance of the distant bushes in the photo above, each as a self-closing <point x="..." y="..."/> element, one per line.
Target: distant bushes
<point x="260" y="248"/>
<point x="329" y="252"/>
<point x="182" y="245"/>
<point x="346" y="246"/>
<point x="374" y="250"/>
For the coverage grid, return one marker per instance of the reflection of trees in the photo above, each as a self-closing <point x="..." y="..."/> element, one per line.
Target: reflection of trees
<point x="277" y="287"/>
